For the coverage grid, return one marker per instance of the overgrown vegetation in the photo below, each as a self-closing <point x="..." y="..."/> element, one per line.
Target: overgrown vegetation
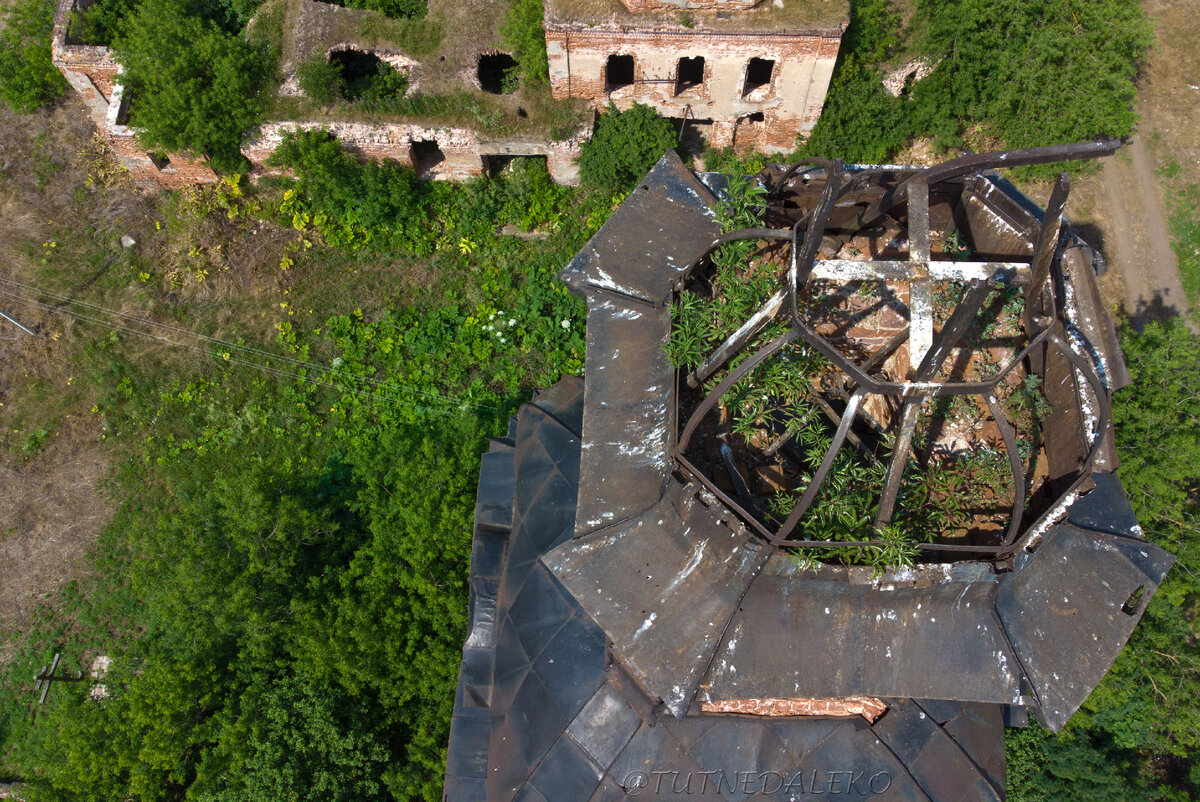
<point x="1013" y="72"/>
<point x="624" y="147"/>
<point x="28" y="78"/>
<point x="382" y="206"/>
<point x="104" y="21"/>
<point x="356" y="78"/>
<point x="772" y="421"/>
<point x="1183" y="201"/>
<point x="283" y="589"/>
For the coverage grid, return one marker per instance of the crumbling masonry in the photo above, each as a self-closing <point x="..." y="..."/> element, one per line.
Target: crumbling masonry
<point x="735" y="72"/>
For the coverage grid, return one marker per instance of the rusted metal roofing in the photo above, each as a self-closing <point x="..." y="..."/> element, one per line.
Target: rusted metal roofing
<point x="798" y="636"/>
<point x="616" y="591"/>
<point x="627" y="272"/>
<point x="663" y="586"/>
<point x="1071" y="605"/>
<point x="545" y="712"/>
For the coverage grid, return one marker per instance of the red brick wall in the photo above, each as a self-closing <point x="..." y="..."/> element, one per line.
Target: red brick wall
<point x="792" y="47"/>
<point x="690" y="5"/>
<point x="790" y="104"/>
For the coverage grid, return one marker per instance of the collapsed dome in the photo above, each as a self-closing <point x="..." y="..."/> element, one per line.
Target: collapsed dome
<point x="630" y="608"/>
<point x="892" y="367"/>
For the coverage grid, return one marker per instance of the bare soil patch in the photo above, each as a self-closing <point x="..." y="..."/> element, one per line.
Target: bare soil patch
<point x="52" y="462"/>
<point x="52" y="511"/>
<point x="1123" y="211"/>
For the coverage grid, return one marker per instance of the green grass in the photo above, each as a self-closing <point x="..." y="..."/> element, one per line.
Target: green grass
<point x="1184" y="222"/>
<point x="458" y="334"/>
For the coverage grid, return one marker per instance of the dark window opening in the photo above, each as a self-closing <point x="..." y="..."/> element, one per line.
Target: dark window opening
<point x="355" y="64"/>
<point x="758" y="74"/>
<point x="618" y="72"/>
<point x="756" y="117"/>
<point x="498" y="73"/>
<point x="496" y="163"/>
<point x="690" y="74"/>
<point x="366" y="77"/>
<point x="693" y="134"/>
<point x="123" y="109"/>
<point x="425" y="155"/>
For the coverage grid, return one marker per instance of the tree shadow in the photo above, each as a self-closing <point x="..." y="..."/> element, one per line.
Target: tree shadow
<point x="1157" y="309"/>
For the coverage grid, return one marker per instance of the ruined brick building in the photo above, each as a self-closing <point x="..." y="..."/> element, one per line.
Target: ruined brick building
<point x="739" y="73"/>
<point x="751" y="75"/>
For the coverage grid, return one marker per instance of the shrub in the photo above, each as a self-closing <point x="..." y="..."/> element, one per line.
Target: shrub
<point x="99" y="23"/>
<point x="321" y="80"/>
<point x="381" y="90"/>
<point x="362" y="195"/>
<point x="523" y="32"/>
<point x="28" y="79"/>
<point x="625" y="146"/>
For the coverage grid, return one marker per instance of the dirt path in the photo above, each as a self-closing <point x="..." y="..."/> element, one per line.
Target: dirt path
<point x="1140" y="246"/>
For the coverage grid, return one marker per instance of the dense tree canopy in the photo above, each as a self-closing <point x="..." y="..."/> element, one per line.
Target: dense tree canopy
<point x="194" y="86"/>
<point x="28" y="78"/>
<point x="1138" y="734"/>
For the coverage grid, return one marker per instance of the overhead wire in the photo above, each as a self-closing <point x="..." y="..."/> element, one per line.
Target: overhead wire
<point x="79" y="316"/>
<point x="429" y="394"/>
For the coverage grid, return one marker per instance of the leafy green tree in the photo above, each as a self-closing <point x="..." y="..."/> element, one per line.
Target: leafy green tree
<point x="308" y="745"/>
<point x="103" y="21"/>
<point x="1074" y="766"/>
<point x="397" y="632"/>
<point x="523" y="32"/>
<point x="380" y="90"/>
<point x="367" y="194"/>
<point x="100" y="22"/>
<point x="28" y="78"/>
<point x="1157" y="420"/>
<point x="625" y="146"/>
<point x="193" y="85"/>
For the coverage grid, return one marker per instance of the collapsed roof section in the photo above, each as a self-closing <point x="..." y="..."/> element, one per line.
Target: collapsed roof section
<point x="634" y="610"/>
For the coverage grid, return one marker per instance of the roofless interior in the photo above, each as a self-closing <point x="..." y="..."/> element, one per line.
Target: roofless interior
<point x="876" y="376"/>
